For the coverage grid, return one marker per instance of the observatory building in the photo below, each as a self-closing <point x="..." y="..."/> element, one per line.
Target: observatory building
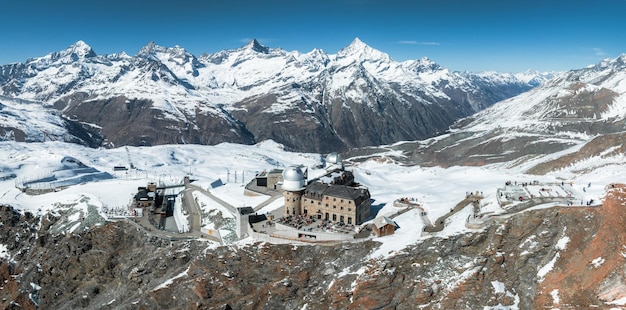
<point x="333" y="197"/>
<point x="334" y="161"/>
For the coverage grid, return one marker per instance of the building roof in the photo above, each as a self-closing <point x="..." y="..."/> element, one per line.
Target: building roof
<point x="382" y="221"/>
<point x="275" y="171"/>
<point x="340" y="191"/>
<point x="245" y="210"/>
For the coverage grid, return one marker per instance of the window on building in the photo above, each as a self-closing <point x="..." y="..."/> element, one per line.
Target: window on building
<point x="349" y="220"/>
<point x="326" y="217"/>
<point x="334" y="199"/>
<point x="341" y="218"/>
<point x="341" y="200"/>
<point x="334" y="217"/>
<point x="341" y="208"/>
<point x="349" y="202"/>
<point x="334" y="207"/>
<point x="349" y="209"/>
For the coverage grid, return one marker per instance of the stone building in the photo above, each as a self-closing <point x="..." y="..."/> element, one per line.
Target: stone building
<point x="334" y="197"/>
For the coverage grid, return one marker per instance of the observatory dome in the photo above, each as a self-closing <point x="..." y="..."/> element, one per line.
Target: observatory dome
<point x="293" y="179"/>
<point x="293" y="173"/>
<point x="334" y="158"/>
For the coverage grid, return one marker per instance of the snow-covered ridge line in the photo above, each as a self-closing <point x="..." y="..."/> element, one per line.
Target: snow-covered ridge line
<point x="249" y="87"/>
<point x="236" y="73"/>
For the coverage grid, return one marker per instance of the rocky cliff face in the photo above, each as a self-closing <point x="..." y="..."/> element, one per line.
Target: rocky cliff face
<point x="308" y="102"/>
<point x="557" y="257"/>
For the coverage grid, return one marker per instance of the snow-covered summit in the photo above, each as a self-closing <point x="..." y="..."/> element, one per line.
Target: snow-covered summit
<point x="80" y="49"/>
<point x="357" y="50"/>
<point x="254" y="45"/>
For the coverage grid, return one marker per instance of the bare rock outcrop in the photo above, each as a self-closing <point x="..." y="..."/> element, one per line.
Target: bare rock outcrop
<point x="557" y="257"/>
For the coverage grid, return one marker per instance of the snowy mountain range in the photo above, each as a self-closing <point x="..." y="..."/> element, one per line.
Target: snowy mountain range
<point x="307" y="101"/>
<point x="578" y="118"/>
<point x="558" y="147"/>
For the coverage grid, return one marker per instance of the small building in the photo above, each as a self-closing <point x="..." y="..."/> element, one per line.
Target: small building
<point x="145" y="197"/>
<point x="384" y="226"/>
<point x="120" y="168"/>
<point x="269" y="179"/>
<point x="243" y="222"/>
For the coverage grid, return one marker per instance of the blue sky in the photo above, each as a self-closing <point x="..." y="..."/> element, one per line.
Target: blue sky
<point x="507" y="36"/>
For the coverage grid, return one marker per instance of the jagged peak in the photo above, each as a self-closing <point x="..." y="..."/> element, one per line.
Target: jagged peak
<point x="317" y="53"/>
<point x="357" y="43"/>
<point x="80" y="49"/>
<point x="254" y="45"/>
<point x="355" y="47"/>
<point x="619" y="60"/>
<point x="153" y="48"/>
<point x="363" y="51"/>
<point x="617" y="63"/>
<point x="150" y="48"/>
<point x="425" y="60"/>
<point x="424" y="64"/>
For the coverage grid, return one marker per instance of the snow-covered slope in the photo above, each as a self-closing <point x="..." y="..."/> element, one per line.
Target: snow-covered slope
<point x="577" y="115"/>
<point x="185" y="96"/>
<point x="457" y="254"/>
<point x="28" y="121"/>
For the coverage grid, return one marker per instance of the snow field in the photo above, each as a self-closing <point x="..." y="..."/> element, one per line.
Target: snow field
<point x="437" y="190"/>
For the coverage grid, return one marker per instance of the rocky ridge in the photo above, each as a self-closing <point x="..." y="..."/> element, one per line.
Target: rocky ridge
<point x="557" y="257"/>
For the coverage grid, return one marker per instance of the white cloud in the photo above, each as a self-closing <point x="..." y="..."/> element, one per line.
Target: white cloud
<point x="599" y="52"/>
<point x="413" y="42"/>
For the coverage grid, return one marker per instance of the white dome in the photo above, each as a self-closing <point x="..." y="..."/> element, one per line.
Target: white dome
<point x="293" y="173"/>
<point x="334" y="158"/>
<point x="293" y="178"/>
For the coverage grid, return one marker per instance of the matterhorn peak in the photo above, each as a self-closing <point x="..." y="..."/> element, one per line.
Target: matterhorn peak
<point x="254" y="45"/>
<point x="80" y="49"/>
